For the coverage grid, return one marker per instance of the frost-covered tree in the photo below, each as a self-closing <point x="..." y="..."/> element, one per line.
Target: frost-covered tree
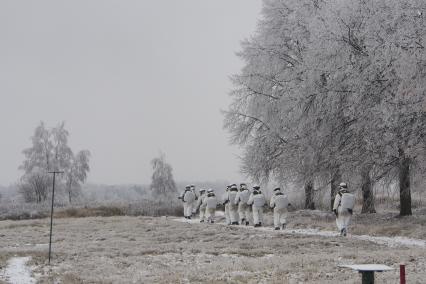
<point x="162" y="183"/>
<point x="39" y="155"/>
<point x="50" y="151"/>
<point x="333" y="89"/>
<point x="76" y="174"/>
<point x="34" y="186"/>
<point x="61" y="154"/>
<point x="266" y="114"/>
<point x="373" y="52"/>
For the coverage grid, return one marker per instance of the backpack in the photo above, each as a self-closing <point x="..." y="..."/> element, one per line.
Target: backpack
<point x="189" y="197"/>
<point x="347" y="201"/>
<point x="259" y="200"/>
<point x="211" y="202"/>
<point x="281" y="201"/>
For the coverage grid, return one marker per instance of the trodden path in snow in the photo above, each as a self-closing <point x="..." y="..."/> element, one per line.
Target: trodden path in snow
<point x="17" y="271"/>
<point x="381" y="240"/>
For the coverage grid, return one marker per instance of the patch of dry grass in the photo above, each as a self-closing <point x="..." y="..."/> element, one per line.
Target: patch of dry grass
<point x="147" y="208"/>
<point x="101" y="211"/>
<point x="17" y="225"/>
<point x="141" y="208"/>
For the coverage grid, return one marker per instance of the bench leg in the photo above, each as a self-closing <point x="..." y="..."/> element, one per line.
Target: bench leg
<point x="367" y="277"/>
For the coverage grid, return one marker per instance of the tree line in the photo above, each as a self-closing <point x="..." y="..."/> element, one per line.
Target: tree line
<point x="332" y="90"/>
<point x="50" y="151"/>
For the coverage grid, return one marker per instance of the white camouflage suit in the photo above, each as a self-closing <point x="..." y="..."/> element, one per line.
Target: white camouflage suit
<point x="233" y="208"/>
<point x="257" y="200"/>
<point x="194" y="207"/>
<point x="210" y="202"/>
<point x="343" y="206"/>
<point x="243" y="209"/>
<point x="201" y="205"/>
<point x="188" y="203"/>
<point x="279" y="202"/>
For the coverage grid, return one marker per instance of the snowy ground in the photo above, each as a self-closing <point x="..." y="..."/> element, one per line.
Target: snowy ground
<point x="17" y="271"/>
<point x="170" y="250"/>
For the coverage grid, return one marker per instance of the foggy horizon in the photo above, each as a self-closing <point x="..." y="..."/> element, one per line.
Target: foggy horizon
<point x="129" y="80"/>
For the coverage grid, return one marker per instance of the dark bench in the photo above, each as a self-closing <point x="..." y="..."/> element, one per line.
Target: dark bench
<point x="367" y="270"/>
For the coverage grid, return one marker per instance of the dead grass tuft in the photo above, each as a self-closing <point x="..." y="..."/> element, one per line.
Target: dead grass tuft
<point x="146" y="208"/>
<point x="102" y="211"/>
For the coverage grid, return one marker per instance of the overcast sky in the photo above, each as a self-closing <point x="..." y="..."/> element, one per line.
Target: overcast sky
<point x="129" y="78"/>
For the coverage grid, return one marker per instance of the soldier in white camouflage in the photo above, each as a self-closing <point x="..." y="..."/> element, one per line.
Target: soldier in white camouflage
<point x="343" y="206"/>
<point x="225" y="202"/>
<point x="188" y="198"/>
<point x="233" y="208"/>
<point x="200" y="205"/>
<point x="257" y="201"/>
<point x="279" y="203"/>
<point x="241" y="199"/>
<point x="210" y="202"/>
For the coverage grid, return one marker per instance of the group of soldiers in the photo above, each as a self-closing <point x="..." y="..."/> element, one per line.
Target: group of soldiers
<point x="244" y="206"/>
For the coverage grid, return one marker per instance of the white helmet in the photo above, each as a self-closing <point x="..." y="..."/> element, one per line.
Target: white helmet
<point x="343" y="185"/>
<point x="209" y="190"/>
<point x="201" y="190"/>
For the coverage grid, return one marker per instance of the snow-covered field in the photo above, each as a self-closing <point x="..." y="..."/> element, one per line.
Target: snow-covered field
<point x="172" y="250"/>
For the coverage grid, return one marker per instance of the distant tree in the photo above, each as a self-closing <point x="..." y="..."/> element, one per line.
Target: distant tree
<point x="162" y="179"/>
<point x="50" y="151"/>
<point x="76" y="174"/>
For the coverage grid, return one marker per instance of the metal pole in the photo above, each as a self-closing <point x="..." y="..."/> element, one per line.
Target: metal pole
<point x="51" y="212"/>
<point x="51" y="215"/>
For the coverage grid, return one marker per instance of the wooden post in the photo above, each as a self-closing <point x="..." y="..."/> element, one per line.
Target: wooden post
<point x="402" y="273"/>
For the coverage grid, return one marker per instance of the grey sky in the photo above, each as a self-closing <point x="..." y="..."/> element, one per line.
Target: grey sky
<point x="130" y="78"/>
